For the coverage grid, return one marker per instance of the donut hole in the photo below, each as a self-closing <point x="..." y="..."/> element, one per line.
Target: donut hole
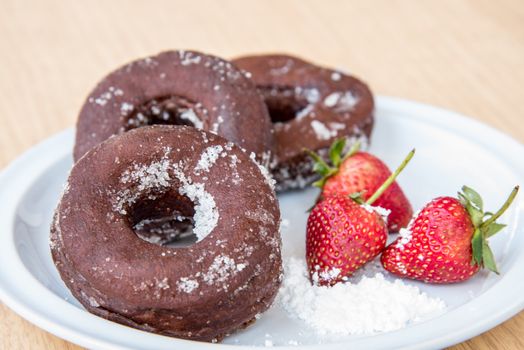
<point x="285" y="104"/>
<point x="167" y="110"/>
<point x="166" y="220"/>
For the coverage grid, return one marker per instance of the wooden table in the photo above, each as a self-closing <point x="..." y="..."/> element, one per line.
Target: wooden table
<point x="463" y="55"/>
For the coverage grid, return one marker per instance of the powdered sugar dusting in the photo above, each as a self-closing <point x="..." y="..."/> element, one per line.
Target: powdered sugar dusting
<point x="235" y="176"/>
<point x="208" y="158"/>
<point x="147" y="177"/>
<point x="104" y="98"/>
<point x="216" y="125"/>
<point x="190" y="116"/>
<point x="383" y="212"/>
<point x="304" y="111"/>
<point x="222" y="268"/>
<point x="261" y="215"/>
<point x="322" y="131"/>
<point x="335" y="76"/>
<point x="187" y="285"/>
<point x="126" y="108"/>
<point x="188" y="58"/>
<point x="337" y="126"/>
<point x="372" y="305"/>
<point x="267" y="176"/>
<point x="283" y="69"/>
<point x="404" y="237"/>
<point x="341" y="101"/>
<point x="312" y="95"/>
<point x="206" y="212"/>
<point x="153" y="178"/>
<point x="405" y="234"/>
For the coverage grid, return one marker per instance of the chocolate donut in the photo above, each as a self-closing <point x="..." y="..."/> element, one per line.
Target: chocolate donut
<point x="181" y="88"/>
<point x="203" y="291"/>
<point x="310" y="107"/>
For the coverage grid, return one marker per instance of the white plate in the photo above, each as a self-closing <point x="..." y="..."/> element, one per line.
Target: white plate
<point x="451" y="151"/>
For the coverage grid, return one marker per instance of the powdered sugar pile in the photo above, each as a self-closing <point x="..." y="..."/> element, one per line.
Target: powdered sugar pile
<point x="325" y="275"/>
<point x="374" y="304"/>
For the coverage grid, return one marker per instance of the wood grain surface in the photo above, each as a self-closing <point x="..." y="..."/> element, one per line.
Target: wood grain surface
<point x="463" y="55"/>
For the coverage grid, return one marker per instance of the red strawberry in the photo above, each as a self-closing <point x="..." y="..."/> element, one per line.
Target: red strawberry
<point x="341" y="237"/>
<point x="362" y="172"/>
<point x="344" y="233"/>
<point x="447" y="241"/>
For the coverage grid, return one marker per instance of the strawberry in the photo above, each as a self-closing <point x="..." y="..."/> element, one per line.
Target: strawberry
<point x="362" y="172"/>
<point x="447" y="241"/>
<point x="343" y="233"/>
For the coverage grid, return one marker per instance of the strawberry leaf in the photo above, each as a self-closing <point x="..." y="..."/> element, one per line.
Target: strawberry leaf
<point x="473" y="197"/>
<point x="488" y="258"/>
<point x="319" y="183"/>
<point x="336" y="158"/>
<point x="322" y="168"/>
<point x="482" y="255"/>
<point x="335" y="151"/>
<point x="477" y="245"/>
<point x="492" y="229"/>
<point x="475" y="214"/>
<point x="462" y="199"/>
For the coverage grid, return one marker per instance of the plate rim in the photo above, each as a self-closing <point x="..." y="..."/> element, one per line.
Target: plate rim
<point x="82" y="338"/>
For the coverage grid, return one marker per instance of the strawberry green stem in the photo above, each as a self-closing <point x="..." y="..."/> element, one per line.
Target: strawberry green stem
<point x="502" y="209"/>
<point x="317" y="158"/>
<point x="330" y="167"/>
<point x="390" y="179"/>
